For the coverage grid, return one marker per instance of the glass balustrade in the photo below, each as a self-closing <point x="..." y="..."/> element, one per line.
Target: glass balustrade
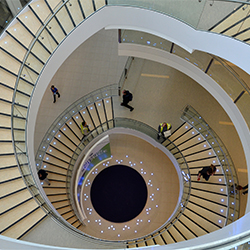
<point x="191" y="116"/>
<point x="219" y="70"/>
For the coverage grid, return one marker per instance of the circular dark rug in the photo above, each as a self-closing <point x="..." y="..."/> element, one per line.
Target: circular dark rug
<point x="118" y="193"/>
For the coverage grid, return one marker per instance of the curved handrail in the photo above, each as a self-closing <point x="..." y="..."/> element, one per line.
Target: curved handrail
<point x="191" y="116"/>
<point x="146" y="129"/>
<point x="73" y="109"/>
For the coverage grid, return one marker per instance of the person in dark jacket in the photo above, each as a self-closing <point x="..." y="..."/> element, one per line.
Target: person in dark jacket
<point x="127" y="97"/>
<point x="206" y="172"/>
<point x="42" y="174"/>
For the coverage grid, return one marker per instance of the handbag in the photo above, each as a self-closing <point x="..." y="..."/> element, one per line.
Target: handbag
<point x="167" y="133"/>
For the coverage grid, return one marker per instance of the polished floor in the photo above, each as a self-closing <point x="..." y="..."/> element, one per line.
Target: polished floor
<point x="156" y="99"/>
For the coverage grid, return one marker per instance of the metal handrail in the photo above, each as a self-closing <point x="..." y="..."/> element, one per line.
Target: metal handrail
<point x="191" y="116"/>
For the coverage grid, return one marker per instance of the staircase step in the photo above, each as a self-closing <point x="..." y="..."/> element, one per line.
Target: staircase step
<point x="207" y="186"/>
<point x="13" y="47"/>
<point x="6" y="93"/>
<point x="185" y="230"/>
<point x="7" y="78"/>
<point x="14" y="215"/>
<point x="192" y="226"/>
<point x="60" y="146"/>
<point x="177" y="235"/>
<point x="209" y="195"/>
<point x="12" y="200"/>
<point x="87" y="6"/>
<point x="159" y="240"/>
<point x="26" y="224"/>
<point x="92" y="110"/>
<point x="41" y="9"/>
<point x="11" y="186"/>
<point x="6" y="148"/>
<point x="167" y="237"/>
<point x="209" y="218"/>
<point x="108" y="107"/>
<point x="64" y="19"/>
<point x="68" y="132"/>
<point x="233" y="18"/>
<point x="30" y="21"/>
<point x="99" y="4"/>
<point x="58" y="154"/>
<point x="149" y="241"/>
<point x="75" y="11"/>
<point x="209" y="227"/>
<point x="9" y="173"/>
<point x="193" y="145"/>
<point x="184" y="128"/>
<point x="5" y="121"/>
<point x="5" y="134"/>
<point x="20" y="33"/>
<point x="217" y="208"/>
<point x="74" y="127"/>
<point x="7" y="160"/>
<point x="74" y="221"/>
<point x="203" y="162"/>
<point x="66" y="140"/>
<point x="196" y="154"/>
<point x="9" y="63"/>
<point x="141" y="243"/>
<point x="51" y="159"/>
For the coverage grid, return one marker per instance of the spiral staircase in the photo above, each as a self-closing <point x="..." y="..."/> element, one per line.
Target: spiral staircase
<point x="26" y="45"/>
<point x="207" y="207"/>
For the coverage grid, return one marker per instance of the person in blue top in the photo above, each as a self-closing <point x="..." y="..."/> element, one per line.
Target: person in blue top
<point x="55" y="92"/>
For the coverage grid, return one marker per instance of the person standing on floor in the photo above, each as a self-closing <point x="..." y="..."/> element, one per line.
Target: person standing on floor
<point x="55" y="92"/>
<point x="163" y="127"/>
<point x="206" y="172"/>
<point x="84" y="129"/>
<point x="127" y="97"/>
<point x="42" y="174"/>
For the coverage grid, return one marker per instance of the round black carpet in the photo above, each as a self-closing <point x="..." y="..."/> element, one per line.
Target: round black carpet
<point x="118" y="193"/>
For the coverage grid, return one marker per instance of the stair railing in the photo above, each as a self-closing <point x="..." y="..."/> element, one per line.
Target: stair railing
<point x="192" y="117"/>
<point x="151" y="132"/>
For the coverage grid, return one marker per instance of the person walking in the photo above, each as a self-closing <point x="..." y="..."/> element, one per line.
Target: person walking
<point x="127" y="97"/>
<point x="163" y="127"/>
<point x="206" y="172"/>
<point x="84" y="129"/>
<point x="55" y="92"/>
<point x="42" y="174"/>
